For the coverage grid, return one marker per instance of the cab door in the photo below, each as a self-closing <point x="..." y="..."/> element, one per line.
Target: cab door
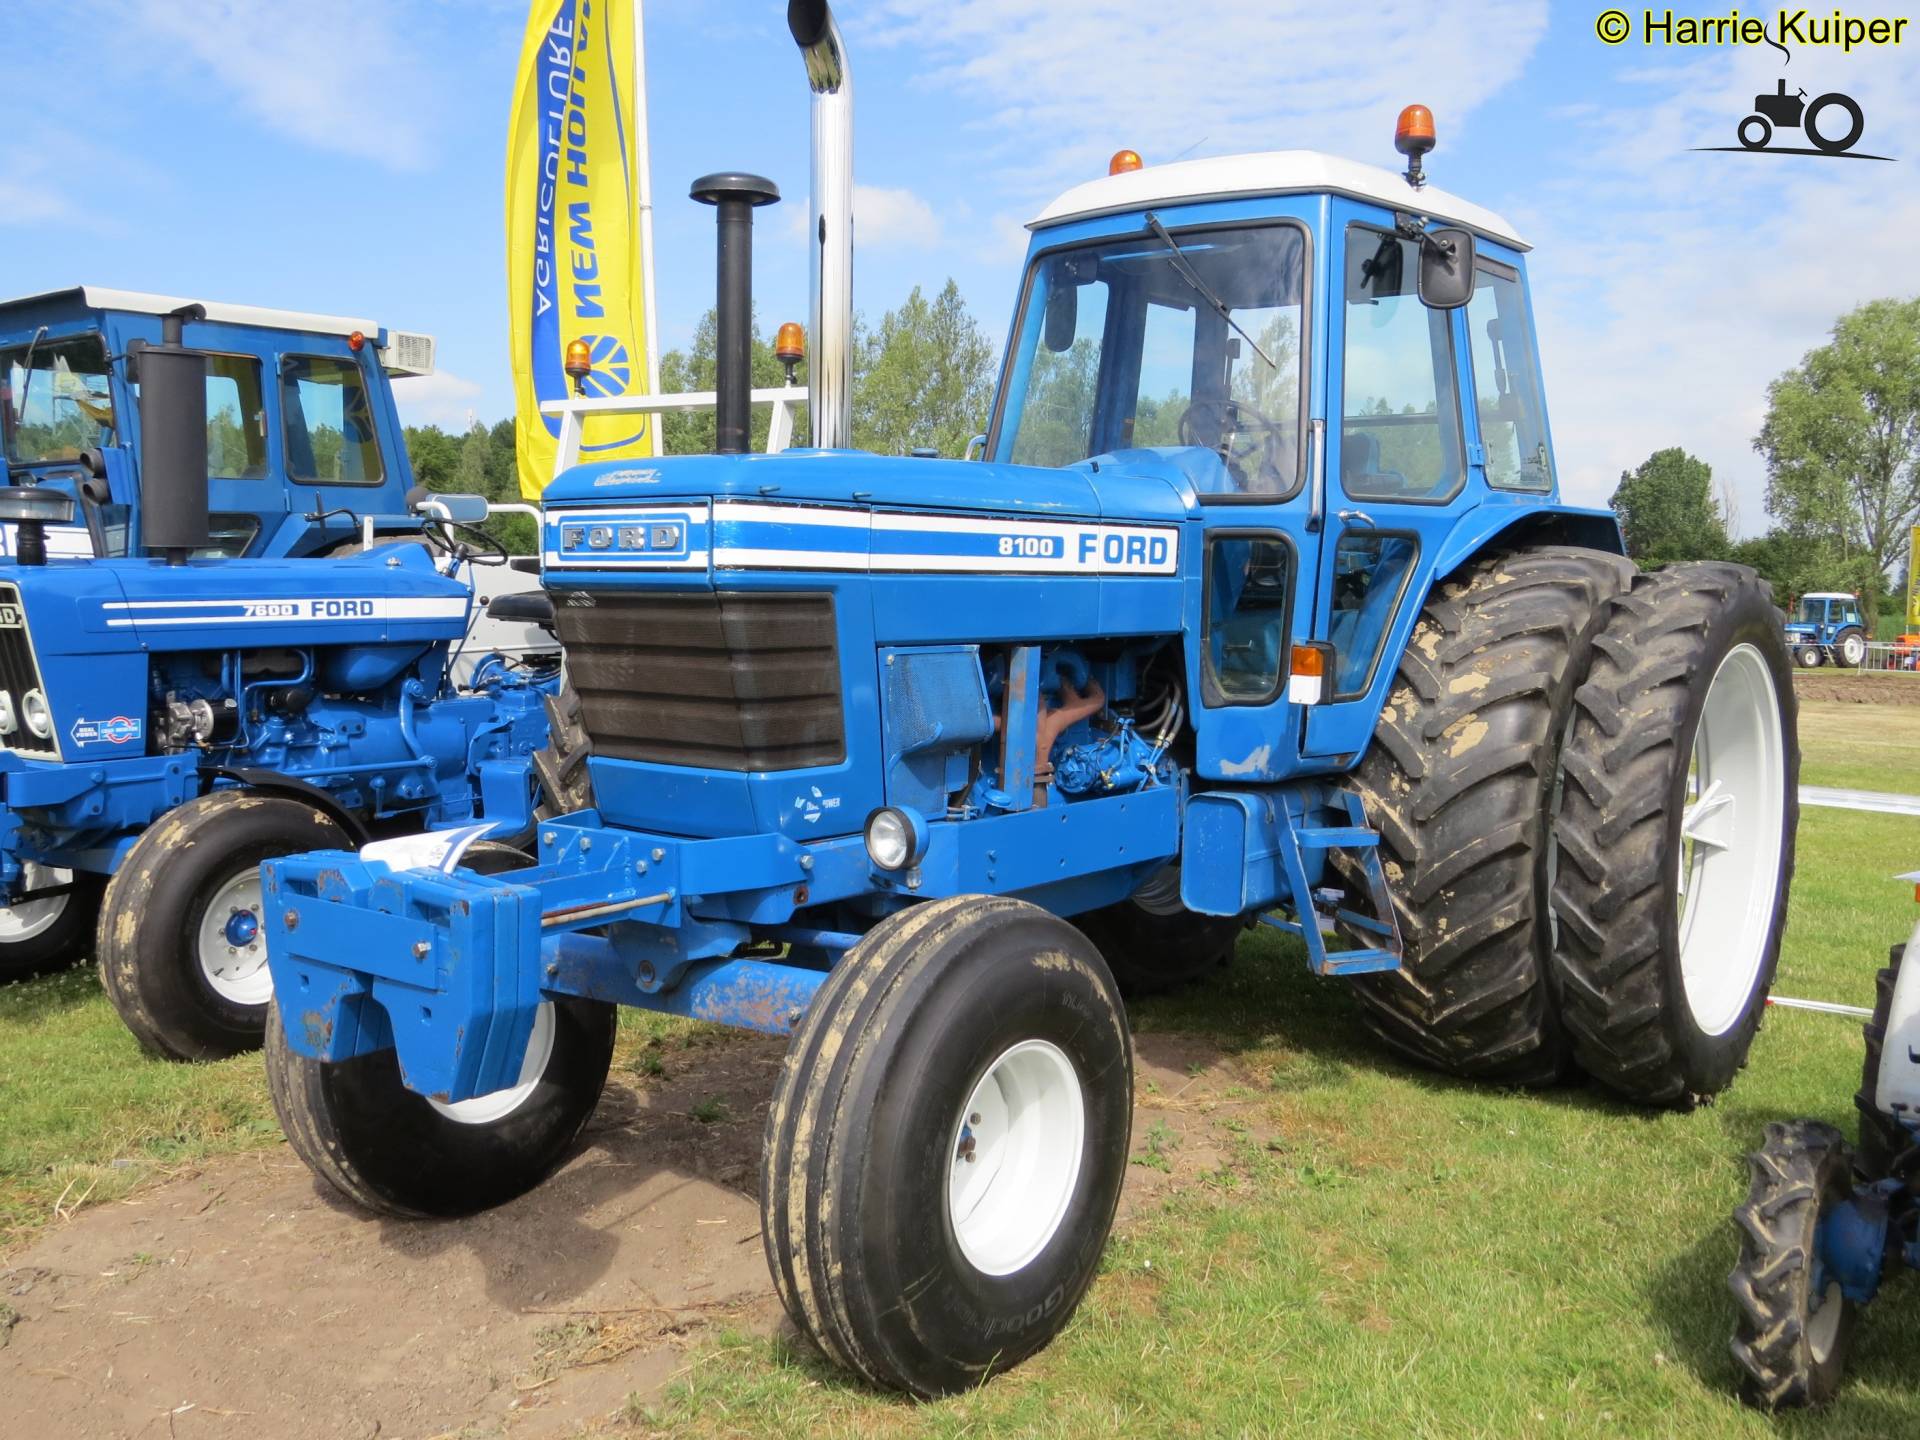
<point x="1401" y="465"/>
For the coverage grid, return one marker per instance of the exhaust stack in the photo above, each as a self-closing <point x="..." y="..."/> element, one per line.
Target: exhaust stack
<point x="734" y="196"/>
<point x="830" y="375"/>
<point x="173" y="441"/>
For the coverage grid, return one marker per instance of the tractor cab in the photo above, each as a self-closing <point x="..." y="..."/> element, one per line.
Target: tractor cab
<point x="1340" y="373"/>
<point x="1827" y="612"/>
<point x="303" y="440"/>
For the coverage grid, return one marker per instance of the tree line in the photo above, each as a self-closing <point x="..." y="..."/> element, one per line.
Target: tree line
<point x="1841" y="442"/>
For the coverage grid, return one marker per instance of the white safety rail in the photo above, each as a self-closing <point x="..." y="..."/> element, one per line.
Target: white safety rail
<point x="1890" y="656"/>
<point x="573" y="413"/>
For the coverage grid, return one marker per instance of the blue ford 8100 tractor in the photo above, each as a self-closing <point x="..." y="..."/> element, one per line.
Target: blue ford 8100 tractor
<point x="1262" y="608"/>
<point x="272" y="680"/>
<point x="1828" y="626"/>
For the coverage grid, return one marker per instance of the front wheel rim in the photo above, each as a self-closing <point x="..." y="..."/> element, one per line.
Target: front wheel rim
<point x="1015" y="1156"/>
<point x="499" y="1104"/>
<point x="231" y="943"/>
<point x="1728" y="866"/>
<point x="33" y="918"/>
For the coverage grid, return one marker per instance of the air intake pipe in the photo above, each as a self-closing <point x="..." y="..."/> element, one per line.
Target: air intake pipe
<point x="734" y="197"/>
<point x="830" y="374"/>
<point x="173" y="441"/>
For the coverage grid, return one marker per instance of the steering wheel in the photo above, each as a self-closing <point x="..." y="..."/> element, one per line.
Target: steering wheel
<point x="450" y="537"/>
<point x="1245" y="433"/>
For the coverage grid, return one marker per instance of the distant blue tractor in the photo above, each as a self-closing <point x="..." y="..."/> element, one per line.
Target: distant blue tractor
<point x="1262" y="609"/>
<point x="1828" y="626"/>
<point x="169" y="720"/>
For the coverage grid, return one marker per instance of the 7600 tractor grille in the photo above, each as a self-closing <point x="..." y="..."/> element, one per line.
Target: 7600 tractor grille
<point x="728" y="681"/>
<point x="19" y="674"/>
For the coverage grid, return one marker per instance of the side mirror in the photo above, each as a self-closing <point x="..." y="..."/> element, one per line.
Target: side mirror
<point x="1063" y="316"/>
<point x="1446" y="268"/>
<point x="461" y="509"/>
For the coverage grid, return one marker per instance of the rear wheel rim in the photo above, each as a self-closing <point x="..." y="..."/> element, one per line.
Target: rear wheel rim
<point x="1015" y="1158"/>
<point x="1854" y="648"/>
<point x="24" y="922"/>
<point x="1823" y="1322"/>
<point x="1728" y="866"/>
<point x="231" y="944"/>
<point x="499" y="1104"/>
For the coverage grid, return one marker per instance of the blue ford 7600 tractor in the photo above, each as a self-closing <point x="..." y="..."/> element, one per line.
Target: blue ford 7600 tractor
<point x="1828" y="625"/>
<point x="1262" y="607"/>
<point x="254" y="686"/>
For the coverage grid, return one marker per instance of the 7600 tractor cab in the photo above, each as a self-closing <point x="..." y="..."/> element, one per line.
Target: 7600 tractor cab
<point x="1828" y="625"/>
<point x="1262" y="608"/>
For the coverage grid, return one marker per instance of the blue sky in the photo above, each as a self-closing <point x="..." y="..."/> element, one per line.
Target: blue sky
<point x="347" y="157"/>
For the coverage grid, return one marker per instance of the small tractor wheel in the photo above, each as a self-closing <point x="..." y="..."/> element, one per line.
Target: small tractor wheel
<point x="38" y="937"/>
<point x="1153" y="944"/>
<point x="1674" y="841"/>
<point x="390" y="1150"/>
<point x="1886" y="1147"/>
<point x="947" y="1142"/>
<point x="1794" y="1324"/>
<point x="1809" y="656"/>
<point x="565" y="785"/>
<point x="1849" y="649"/>
<point x="1460" y="782"/>
<point x="182" y="952"/>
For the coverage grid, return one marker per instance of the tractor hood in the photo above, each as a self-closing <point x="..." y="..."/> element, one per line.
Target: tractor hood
<point x="1137" y="485"/>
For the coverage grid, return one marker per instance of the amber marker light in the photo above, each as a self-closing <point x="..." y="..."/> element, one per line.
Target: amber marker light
<point x="790" y="346"/>
<point x="1124" y="161"/>
<point x="579" y="363"/>
<point x="1307" y="675"/>
<point x="356" y="342"/>
<point x="1413" y="137"/>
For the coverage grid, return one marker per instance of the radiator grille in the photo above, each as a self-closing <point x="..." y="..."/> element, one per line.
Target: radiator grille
<point x="728" y="681"/>
<point x="19" y="673"/>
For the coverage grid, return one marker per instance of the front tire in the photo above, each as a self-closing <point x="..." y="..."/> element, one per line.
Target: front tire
<point x="183" y="955"/>
<point x="395" y="1152"/>
<point x="38" y="937"/>
<point x="1675" y="839"/>
<point x="1460" y="783"/>
<point x="1789" y="1341"/>
<point x="947" y="1143"/>
<point x="1809" y="657"/>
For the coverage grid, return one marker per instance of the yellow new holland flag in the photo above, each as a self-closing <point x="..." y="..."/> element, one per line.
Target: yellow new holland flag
<point x="578" y="223"/>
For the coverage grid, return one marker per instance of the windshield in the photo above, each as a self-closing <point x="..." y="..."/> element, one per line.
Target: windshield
<point x="1813" y="612"/>
<point x="58" y="402"/>
<point x="1119" y="348"/>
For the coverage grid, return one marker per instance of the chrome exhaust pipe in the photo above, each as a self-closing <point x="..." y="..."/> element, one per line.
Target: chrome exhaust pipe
<point x="830" y="371"/>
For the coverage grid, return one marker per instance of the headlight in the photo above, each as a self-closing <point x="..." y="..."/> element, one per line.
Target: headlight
<point x="896" y="839"/>
<point x="9" y="722"/>
<point x="33" y="709"/>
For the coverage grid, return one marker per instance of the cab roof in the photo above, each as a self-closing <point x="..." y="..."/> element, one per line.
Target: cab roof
<point x="1829" y="595"/>
<point x="1272" y="172"/>
<point x="98" y="297"/>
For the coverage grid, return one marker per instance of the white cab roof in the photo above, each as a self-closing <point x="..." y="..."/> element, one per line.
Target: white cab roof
<point x="1272" y="172"/>
<point x="1828" y="595"/>
<point x="98" y="297"/>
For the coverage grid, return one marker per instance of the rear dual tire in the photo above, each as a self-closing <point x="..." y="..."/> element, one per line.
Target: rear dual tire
<point x="947" y="1143"/>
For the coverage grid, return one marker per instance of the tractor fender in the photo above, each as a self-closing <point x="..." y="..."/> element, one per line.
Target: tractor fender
<point x="272" y="782"/>
<point x="1514" y="526"/>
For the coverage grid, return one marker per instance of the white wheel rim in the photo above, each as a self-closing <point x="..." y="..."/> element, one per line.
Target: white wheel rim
<point x="1823" y="1325"/>
<point x="1014" y="1159"/>
<point x="20" y="923"/>
<point x="232" y="945"/>
<point x="1854" y="647"/>
<point x="499" y="1104"/>
<point x="1728" y="866"/>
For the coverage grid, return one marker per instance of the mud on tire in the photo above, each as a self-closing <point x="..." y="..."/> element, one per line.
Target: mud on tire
<point x="1639" y="1023"/>
<point x="1460" y="782"/>
<point x="1790" y="1346"/>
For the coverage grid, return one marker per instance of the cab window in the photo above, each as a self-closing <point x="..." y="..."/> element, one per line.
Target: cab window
<point x="1506" y="382"/>
<point x="1249" y="579"/>
<point x="329" y="422"/>
<point x="1400" y="415"/>
<point x="57" y="399"/>
<point x="236" y="419"/>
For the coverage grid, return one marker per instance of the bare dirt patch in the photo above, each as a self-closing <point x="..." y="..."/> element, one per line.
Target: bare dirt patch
<point x="1855" y="687"/>
<point x="246" y="1301"/>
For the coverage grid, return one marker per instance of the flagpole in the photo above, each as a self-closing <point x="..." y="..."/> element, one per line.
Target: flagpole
<point x="646" y="216"/>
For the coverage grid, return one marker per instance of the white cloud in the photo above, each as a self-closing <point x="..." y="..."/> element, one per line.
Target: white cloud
<point x="1084" y="77"/>
<point x="438" y="399"/>
<point x="337" y="76"/>
<point x="883" y="219"/>
<point x="1672" y="286"/>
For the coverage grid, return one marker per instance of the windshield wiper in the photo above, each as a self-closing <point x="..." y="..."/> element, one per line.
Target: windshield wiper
<point x="1200" y="287"/>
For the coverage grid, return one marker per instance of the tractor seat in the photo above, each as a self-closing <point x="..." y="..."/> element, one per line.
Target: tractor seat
<point x="522" y="607"/>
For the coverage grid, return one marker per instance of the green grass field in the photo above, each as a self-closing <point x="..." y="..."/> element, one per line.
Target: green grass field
<point x="1346" y="1246"/>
